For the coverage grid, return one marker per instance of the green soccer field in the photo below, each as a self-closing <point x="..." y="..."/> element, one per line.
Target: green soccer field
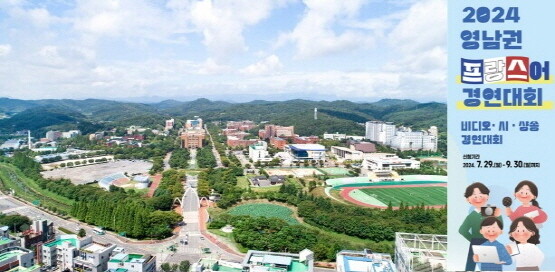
<point x="411" y="196"/>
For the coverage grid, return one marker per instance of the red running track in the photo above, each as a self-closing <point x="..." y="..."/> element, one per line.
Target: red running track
<point x="346" y="191"/>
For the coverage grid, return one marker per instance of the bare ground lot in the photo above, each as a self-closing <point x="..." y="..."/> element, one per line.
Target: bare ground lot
<point x="90" y="173"/>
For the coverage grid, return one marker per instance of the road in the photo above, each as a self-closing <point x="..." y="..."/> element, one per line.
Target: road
<point x="241" y="157"/>
<point x="214" y="151"/>
<point x="167" y="161"/>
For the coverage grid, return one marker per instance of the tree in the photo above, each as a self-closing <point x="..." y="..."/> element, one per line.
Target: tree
<point x="82" y="233"/>
<point x="166" y="267"/>
<point x="184" y="266"/>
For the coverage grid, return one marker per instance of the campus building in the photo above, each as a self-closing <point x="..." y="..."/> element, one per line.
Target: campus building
<point x="241" y="125"/>
<point x="169" y="124"/>
<point x="270" y="131"/>
<point x="192" y="138"/>
<point x="259" y="152"/>
<point x="402" y="138"/>
<point x="306" y="140"/>
<point x="387" y="162"/>
<point x="346" y="153"/>
<point x="124" y="262"/>
<point x="194" y="123"/>
<point x="278" y="143"/>
<point x="363" y="261"/>
<point x="233" y="141"/>
<point x="304" y="152"/>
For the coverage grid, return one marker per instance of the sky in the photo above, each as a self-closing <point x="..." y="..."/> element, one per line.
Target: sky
<point x="233" y="50"/>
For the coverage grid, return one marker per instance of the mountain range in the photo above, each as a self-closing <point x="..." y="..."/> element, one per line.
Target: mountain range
<point x="333" y="116"/>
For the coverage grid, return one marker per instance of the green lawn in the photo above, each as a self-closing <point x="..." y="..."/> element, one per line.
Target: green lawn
<point x="265" y="209"/>
<point x="411" y="196"/>
<point x="26" y="188"/>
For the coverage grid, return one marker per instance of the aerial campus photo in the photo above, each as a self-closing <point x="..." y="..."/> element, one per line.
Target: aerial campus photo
<point x="223" y="135"/>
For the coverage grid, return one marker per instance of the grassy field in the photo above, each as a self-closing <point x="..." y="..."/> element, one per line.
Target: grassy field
<point x="265" y="209"/>
<point x="411" y="196"/>
<point x="28" y="189"/>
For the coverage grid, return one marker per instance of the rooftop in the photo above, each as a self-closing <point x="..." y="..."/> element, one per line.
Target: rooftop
<point x="94" y="248"/>
<point x="314" y="147"/>
<point x="25" y="269"/>
<point x="362" y="261"/>
<point x="4" y="240"/>
<point x="10" y="254"/>
<point x="59" y="242"/>
<point x="270" y="261"/>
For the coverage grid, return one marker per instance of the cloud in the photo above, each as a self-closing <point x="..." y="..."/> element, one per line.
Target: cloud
<point x="315" y="36"/>
<point x="420" y="30"/>
<point x="5" y="49"/>
<point x="269" y="65"/>
<point x="132" y="19"/>
<point x="222" y="22"/>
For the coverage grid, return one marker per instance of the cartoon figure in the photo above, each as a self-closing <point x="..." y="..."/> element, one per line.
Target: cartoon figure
<point x="477" y="194"/>
<point x="526" y="192"/>
<point x="527" y="256"/>
<point x="491" y="228"/>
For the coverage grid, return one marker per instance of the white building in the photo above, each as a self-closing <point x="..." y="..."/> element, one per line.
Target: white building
<point x="259" y="152"/>
<point x="93" y="257"/>
<point x="402" y="138"/>
<point x="17" y="258"/>
<point x="194" y="123"/>
<point x="61" y="251"/>
<point x="420" y="252"/>
<point x="15" y="144"/>
<point x="169" y="124"/>
<point x="387" y="162"/>
<point x="71" y="134"/>
<point x="304" y="152"/>
<point x="335" y="136"/>
<point x="70" y="252"/>
<point x="380" y="132"/>
<point x="366" y="260"/>
<point x="132" y="263"/>
<point x="414" y="140"/>
<point x="346" y="153"/>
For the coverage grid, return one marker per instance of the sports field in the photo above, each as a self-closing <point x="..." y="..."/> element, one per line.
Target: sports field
<point x="412" y="196"/>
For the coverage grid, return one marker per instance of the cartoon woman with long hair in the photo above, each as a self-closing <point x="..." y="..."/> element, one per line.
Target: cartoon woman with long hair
<point x="527" y="193"/>
<point x="527" y="256"/>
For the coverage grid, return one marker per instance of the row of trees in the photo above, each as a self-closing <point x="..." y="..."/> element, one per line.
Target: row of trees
<point x="180" y="158"/>
<point x="132" y="217"/>
<point x="117" y="209"/>
<point x="170" y="187"/>
<point x="205" y="157"/>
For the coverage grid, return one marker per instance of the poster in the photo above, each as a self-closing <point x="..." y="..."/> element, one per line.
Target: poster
<point x="501" y="122"/>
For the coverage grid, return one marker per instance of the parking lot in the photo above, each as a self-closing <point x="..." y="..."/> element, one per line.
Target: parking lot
<point x="90" y="173"/>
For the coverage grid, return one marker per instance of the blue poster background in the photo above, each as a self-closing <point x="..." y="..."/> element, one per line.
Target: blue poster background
<point x="537" y="21"/>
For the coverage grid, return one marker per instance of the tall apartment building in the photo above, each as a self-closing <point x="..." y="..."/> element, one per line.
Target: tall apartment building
<point x="380" y="132"/>
<point x="401" y="138"/>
